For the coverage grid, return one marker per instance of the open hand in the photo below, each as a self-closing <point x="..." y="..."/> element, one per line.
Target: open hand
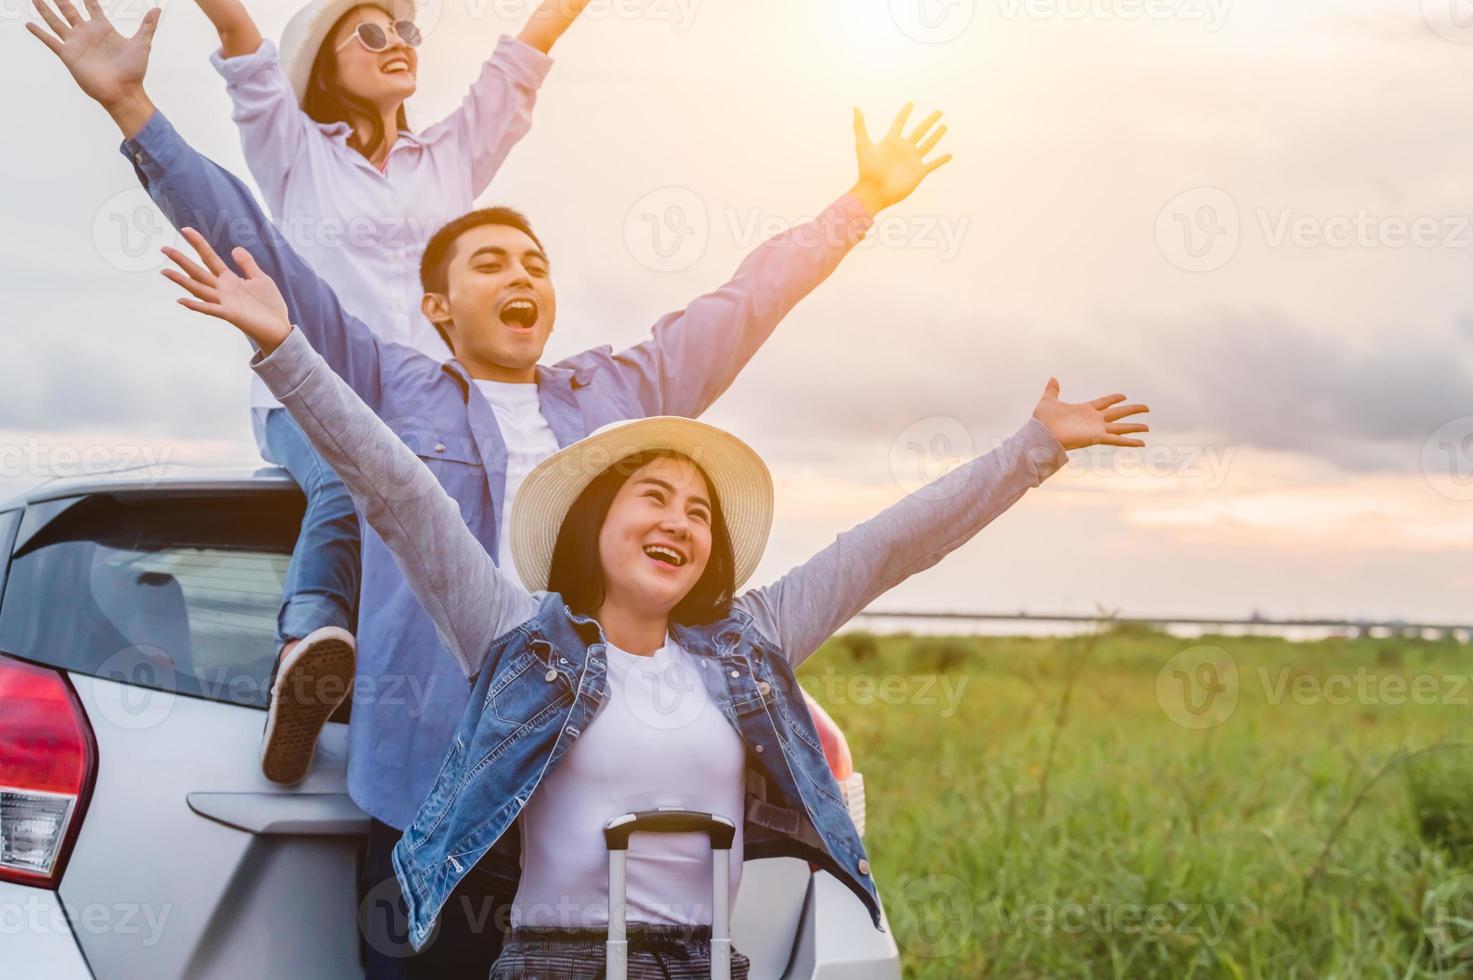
<point x="1095" y="423"/>
<point x="252" y="303"/>
<point x="895" y="166"/>
<point x="106" y="65"/>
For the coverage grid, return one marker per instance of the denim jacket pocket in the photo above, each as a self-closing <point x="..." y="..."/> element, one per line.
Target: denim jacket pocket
<point x="523" y="686"/>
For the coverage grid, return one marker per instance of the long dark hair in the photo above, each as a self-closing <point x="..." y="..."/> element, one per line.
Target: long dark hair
<point x="577" y="573"/>
<point x="327" y="102"/>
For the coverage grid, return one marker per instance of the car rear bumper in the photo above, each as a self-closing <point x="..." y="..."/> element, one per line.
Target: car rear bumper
<point x="836" y="939"/>
<point x="36" y="937"/>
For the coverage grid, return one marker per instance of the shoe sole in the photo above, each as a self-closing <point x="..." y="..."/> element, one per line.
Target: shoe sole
<point x="293" y="726"/>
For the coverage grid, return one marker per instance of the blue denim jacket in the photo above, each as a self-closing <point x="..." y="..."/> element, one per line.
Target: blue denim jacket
<point x="542" y="685"/>
<point x="408" y="692"/>
<point x="537" y="673"/>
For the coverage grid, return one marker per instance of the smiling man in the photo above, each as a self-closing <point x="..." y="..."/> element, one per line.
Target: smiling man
<point x="484" y="417"/>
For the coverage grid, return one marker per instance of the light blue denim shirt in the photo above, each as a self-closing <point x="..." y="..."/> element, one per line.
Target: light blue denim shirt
<point x="409" y="694"/>
<point x="537" y="672"/>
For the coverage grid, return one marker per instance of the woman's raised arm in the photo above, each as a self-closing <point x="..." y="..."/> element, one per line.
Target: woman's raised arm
<point x="238" y="32"/>
<point x="806" y="606"/>
<point x="452" y="576"/>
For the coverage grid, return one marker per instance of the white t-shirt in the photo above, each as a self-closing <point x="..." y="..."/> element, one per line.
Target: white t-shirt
<point x="529" y="440"/>
<point x="658" y="740"/>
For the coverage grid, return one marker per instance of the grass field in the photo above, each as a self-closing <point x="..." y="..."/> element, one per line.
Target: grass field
<point x="1136" y="805"/>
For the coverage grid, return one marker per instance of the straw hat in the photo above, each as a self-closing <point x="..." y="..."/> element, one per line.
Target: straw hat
<point x="739" y="478"/>
<point x="309" y="27"/>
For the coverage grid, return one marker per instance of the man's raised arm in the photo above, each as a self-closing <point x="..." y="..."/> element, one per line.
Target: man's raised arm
<point x="195" y="192"/>
<point x="694" y="355"/>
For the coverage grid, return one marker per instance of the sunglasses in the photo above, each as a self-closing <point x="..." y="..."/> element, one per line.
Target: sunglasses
<point x="375" y="38"/>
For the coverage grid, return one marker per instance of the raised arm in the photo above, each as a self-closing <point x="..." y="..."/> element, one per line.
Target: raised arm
<point x="805" y="607"/>
<point x="238" y="32"/>
<point x="263" y="105"/>
<point x="497" y="110"/>
<point x="695" y="355"/>
<point x="194" y="192"/>
<point x="452" y="576"/>
<point x="549" y="21"/>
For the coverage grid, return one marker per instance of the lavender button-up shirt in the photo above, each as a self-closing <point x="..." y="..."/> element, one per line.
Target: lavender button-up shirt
<point x="363" y="229"/>
<point x="409" y="693"/>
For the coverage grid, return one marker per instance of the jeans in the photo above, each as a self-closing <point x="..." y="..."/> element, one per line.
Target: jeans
<point x="322" y="580"/>
<point x="463" y="947"/>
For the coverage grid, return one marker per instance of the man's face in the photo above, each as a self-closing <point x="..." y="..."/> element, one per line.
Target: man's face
<point x="500" y="307"/>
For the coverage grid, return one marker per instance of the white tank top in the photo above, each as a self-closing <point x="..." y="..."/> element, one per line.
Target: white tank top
<point x="658" y="740"/>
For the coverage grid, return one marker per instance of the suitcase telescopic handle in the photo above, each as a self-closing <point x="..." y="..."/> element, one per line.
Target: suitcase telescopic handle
<point x="719" y="830"/>
<point x="722" y="834"/>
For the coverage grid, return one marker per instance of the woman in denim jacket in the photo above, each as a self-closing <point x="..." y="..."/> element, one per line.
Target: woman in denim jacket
<point x="637" y="539"/>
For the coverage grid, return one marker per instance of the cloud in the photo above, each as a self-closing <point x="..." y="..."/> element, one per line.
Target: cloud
<point x="1224" y="378"/>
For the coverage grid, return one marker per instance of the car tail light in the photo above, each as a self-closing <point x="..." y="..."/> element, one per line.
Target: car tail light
<point x="48" y="762"/>
<point x="840" y="760"/>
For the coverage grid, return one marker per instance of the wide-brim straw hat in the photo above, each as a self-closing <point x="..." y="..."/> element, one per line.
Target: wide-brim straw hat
<point x="738" y="477"/>
<point x="310" y="26"/>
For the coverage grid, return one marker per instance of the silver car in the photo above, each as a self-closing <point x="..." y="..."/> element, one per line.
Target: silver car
<point x="138" y="837"/>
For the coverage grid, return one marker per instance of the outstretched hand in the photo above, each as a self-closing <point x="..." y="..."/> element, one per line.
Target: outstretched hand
<point x="251" y="302"/>
<point x="895" y="166"/>
<point x="106" y="65"/>
<point x="1095" y="423"/>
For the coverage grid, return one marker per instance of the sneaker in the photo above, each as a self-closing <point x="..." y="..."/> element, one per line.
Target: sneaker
<point x="309" y="684"/>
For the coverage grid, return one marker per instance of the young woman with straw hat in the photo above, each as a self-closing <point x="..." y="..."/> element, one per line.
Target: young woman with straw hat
<point x="358" y="194"/>
<point x="636" y="677"/>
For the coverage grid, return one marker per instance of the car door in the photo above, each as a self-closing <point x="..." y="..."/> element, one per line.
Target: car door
<point x="158" y="607"/>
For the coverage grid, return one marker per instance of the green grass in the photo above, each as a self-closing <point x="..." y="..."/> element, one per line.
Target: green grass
<point x="1263" y="847"/>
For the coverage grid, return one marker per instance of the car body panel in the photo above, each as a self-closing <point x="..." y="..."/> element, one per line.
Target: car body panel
<point x="215" y="900"/>
<point x="36" y="938"/>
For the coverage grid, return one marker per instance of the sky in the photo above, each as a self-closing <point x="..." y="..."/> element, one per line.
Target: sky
<point x="1256" y="217"/>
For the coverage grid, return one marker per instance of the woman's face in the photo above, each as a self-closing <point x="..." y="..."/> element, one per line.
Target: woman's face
<point x="656" y="540"/>
<point x="386" y="78"/>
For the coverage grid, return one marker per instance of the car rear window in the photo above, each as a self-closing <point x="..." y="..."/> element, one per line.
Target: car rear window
<point x="173" y="593"/>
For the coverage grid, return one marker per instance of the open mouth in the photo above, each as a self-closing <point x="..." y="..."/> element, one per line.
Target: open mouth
<point x="395" y="66"/>
<point x="665" y="555"/>
<point x="519" y="312"/>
